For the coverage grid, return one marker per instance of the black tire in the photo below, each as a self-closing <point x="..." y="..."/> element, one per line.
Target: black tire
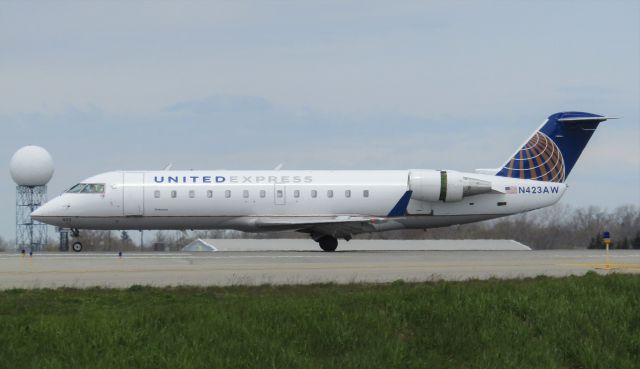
<point x="328" y="243"/>
<point x="77" y="247"/>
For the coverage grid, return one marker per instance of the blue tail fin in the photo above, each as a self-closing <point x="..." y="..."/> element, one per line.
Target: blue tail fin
<point x="552" y="151"/>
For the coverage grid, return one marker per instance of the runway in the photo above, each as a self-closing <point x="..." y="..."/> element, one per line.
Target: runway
<point x="49" y="270"/>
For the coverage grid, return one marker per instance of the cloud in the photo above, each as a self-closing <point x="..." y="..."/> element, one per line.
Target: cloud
<point x="223" y="104"/>
<point x="340" y="85"/>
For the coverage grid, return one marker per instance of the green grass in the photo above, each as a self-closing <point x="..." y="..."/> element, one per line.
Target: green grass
<point x="576" y="322"/>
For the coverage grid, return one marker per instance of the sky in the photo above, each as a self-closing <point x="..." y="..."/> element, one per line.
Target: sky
<point x="316" y="85"/>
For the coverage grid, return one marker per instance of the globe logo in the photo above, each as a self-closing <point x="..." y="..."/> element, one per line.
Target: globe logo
<point x="539" y="159"/>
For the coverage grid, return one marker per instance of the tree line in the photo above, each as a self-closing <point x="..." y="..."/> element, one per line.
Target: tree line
<point x="557" y="227"/>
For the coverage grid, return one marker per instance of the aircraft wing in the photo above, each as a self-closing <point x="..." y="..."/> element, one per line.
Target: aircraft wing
<point x="319" y="224"/>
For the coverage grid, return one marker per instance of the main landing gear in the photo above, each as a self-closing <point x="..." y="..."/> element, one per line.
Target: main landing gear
<point x="328" y="243"/>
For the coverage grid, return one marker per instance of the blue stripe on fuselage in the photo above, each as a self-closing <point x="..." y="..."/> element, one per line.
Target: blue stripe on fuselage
<point x="400" y="209"/>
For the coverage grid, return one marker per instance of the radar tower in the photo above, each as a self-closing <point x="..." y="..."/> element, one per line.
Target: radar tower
<point x="31" y="169"/>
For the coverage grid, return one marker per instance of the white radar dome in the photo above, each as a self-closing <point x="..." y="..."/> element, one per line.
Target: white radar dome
<point x="31" y="166"/>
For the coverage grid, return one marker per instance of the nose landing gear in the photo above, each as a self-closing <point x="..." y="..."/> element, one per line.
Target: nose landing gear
<point x="77" y="246"/>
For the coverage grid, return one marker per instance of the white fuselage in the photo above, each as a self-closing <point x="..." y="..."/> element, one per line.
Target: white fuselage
<point x="337" y="202"/>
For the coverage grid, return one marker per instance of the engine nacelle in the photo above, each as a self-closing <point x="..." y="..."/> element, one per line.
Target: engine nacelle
<point x="443" y="185"/>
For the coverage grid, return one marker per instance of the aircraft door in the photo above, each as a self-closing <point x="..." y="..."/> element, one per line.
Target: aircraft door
<point x="133" y="194"/>
<point x="279" y="194"/>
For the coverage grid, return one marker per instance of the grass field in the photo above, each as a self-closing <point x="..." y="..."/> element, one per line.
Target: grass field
<point x="576" y="322"/>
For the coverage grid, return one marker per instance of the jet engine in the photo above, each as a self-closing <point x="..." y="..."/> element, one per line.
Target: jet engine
<point x="444" y="185"/>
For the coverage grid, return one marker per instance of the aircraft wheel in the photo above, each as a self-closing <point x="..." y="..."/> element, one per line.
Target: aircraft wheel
<point x="77" y="247"/>
<point x="328" y="243"/>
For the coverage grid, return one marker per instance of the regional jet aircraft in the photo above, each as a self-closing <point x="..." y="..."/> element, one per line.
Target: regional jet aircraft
<point x="328" y="205"/>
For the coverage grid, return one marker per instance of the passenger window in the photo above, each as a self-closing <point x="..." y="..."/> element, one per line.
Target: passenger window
<point x="227" y="194"/>
<point x="192" y="194"/>
<point x="245" y="194"/>
<point x="296" y="193"/>
<point x="174" y="194"/>
<point x="156" y="194"/>
<point x="314" y="193"/>
<point x="263" y="194"/>
<point x="330" y="193"/>
<point x="365" y="193"/>
<point x="347" y="193"/>
<point x="209" y="194"/>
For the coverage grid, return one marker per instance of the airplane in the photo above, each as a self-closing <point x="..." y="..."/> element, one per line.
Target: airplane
<point x="328" y="204"/>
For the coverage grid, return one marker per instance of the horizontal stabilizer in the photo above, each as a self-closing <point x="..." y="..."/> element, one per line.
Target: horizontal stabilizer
<point x="585" y="119"/>
<point x="490" y="172"/>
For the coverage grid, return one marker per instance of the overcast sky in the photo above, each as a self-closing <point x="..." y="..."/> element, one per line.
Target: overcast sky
<point x="324" y="85"/>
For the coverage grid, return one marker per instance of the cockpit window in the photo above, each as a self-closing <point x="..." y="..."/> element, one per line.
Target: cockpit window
<point x="93" y="188"/>
<point x="77" y="188"/>
<point x="87" y="188"/>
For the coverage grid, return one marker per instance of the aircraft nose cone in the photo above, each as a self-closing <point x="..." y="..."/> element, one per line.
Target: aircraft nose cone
<point x="52" y="212"/>
<point x="39" y="212"/>
<point x="53" y="208"/>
